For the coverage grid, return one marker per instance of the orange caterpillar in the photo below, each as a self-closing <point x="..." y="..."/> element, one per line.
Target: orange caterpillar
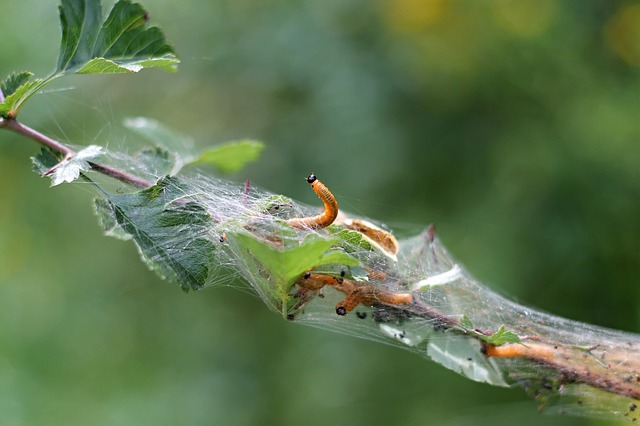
<point x="355" y="294"/>
<point x="330" y="208"/>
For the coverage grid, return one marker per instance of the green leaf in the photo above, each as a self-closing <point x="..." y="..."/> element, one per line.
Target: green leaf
<point x="122" y="43"/>
<point x="156" y="161"/>
<point x="502" y="337"/>
<point x="106" y="66"/>
<point x="285" y="265"/>
<point x="105" y="212"/>
<point x="159" y="134"/>
<point x="80" y="21"/>
<point x="227" y="157"/>
<point x="69" y="169"/>
<point x="172" y="232"/>
<point x="44" y="161"/>
<point x="466" y="323"/>
<point x="353" y="240"/>
<point x="231" y="156"/>
<point x="13" y="81"/>
<point x="275" y="205"/>
<point x="15" y="88"/>
<point x="178" y="147"/>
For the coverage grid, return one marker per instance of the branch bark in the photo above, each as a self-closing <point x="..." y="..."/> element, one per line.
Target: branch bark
<point x="66" y="152"/>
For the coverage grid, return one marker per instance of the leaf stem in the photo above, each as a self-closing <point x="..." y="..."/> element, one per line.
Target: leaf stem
<point x="15" y="126"/>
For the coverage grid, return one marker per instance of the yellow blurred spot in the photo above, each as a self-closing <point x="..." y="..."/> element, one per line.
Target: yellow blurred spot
<point x="411" y="15"/>
<point x="525" y="18"/>
<point x="623" y="34"/>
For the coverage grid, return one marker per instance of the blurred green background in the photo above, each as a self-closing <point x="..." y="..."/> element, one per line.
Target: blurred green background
<point x="512" y="125"/>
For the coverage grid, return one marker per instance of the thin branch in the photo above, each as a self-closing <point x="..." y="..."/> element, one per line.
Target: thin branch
<point x="121" y="176"/>
<point x="619" y="376"/>
<point x="573" y="365"/>
<point x="15" y="126"/>
<point x="38" y="137"/>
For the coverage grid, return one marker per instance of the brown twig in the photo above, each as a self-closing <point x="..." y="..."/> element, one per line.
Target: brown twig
<point x="66" y="152"/>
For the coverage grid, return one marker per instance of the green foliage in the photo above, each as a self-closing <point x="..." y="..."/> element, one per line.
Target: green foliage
<point x="121" y="44"/>
<point x="13" y="81"/>
<point x="44" y="161"/>
<point x="273" y="205"/>
<point x="69" y="169"/>
<point x="161" y="135"/>
<point x="170" y="231"/>
<point x="15" y="88"/>
<point x="228" y="157"/>
<point x="285" y="264"/>
<point x="351" y="240"/>
<point x="174" y="149"/>
<point x="231" y="156"/>
<point x="533" y="116"/>
<point x="156" y="160"/>
<point x="466" y="323"/>
<point x="500" y="337"/>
